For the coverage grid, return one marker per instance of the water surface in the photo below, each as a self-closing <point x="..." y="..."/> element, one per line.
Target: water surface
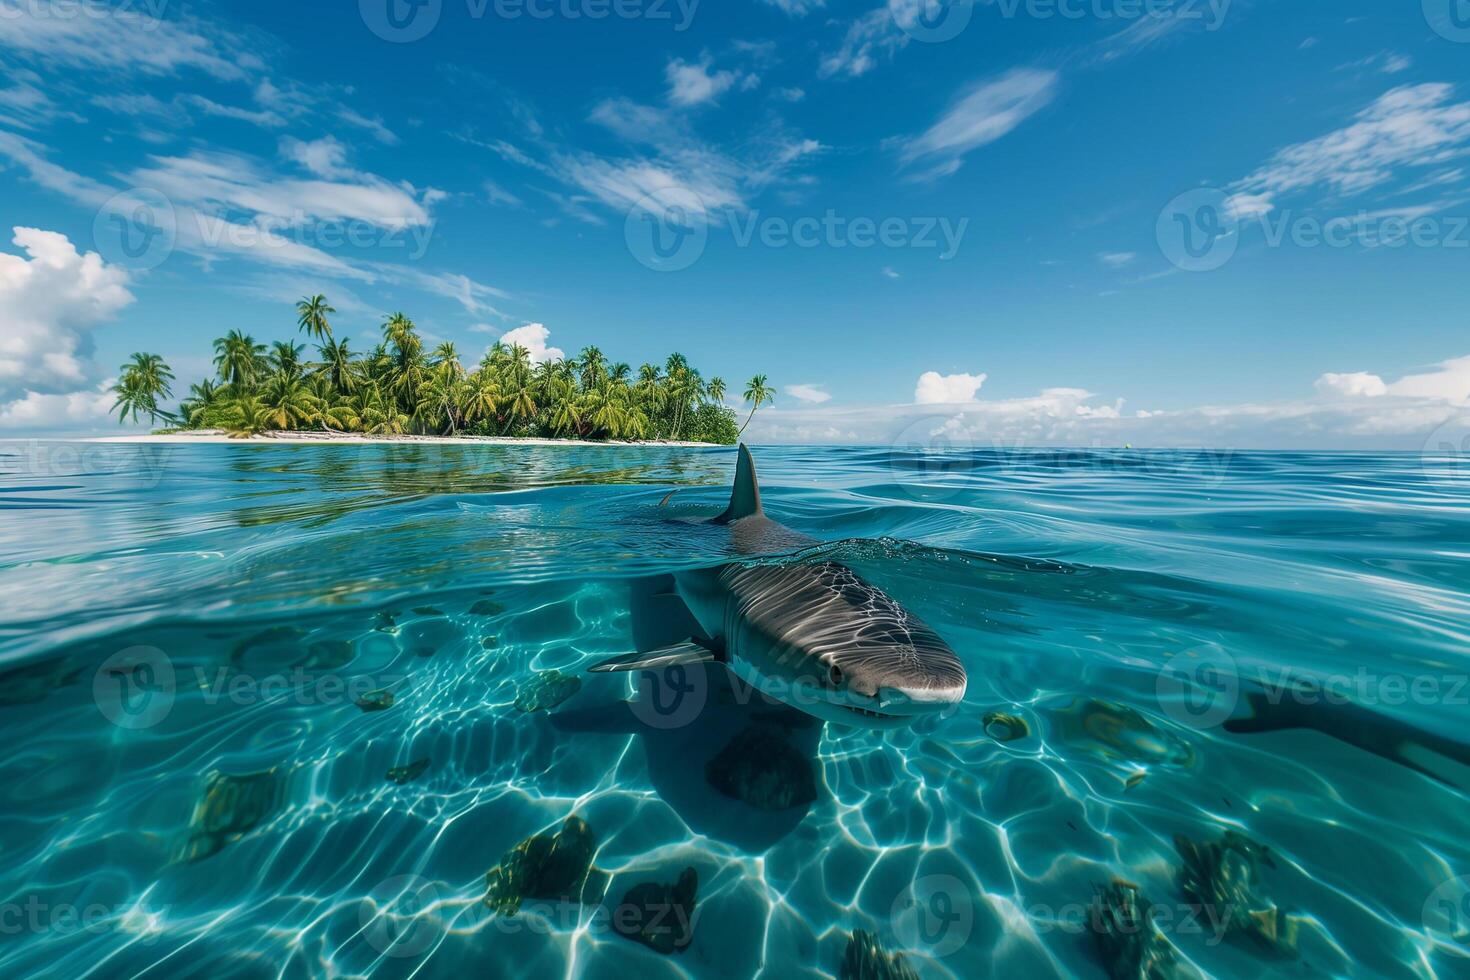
<point x="193" y="786"/>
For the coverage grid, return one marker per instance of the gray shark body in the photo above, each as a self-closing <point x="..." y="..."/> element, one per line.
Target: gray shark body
<point x="812" y="635"/>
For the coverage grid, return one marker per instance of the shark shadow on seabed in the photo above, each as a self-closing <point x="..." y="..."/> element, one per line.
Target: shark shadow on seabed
<point x="735" y="765"/>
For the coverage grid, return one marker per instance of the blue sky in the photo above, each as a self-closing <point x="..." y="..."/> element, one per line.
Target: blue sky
<point x="876" y="204"/>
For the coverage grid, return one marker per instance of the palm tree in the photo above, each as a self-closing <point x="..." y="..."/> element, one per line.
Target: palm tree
<point x="757" y="392"/>
<point x="337" y="364"/>
<point x="480" y="397"/>
<point x="285" y="358"/>
<point x="594" y="366"/>
<point x="288" y="402"/>
<point x="311" y="317"/>
<point x="141" y="383"/>
<point x="202" y="397"/>
<point x="239" y="359"/>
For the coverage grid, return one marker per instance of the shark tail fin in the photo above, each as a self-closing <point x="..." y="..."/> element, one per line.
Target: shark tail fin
<point x="745" y="498"/>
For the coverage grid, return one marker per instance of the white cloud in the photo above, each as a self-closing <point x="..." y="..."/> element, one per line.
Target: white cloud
<point x="325" y="157"/>
<point x="692" y="84"/>
<point x="1450" y="382"/>
<point x="1358" y="411"/>
<point x="889" y="272"/>
<point x="797" y="8"/>
<point x="1408" y="127"/>
<point x="48" y="413"/>
<point x="947" y="389"/>
<point x="533" y="337"/>
<point x="1357" y="384"/>
<point x="125" y="38"/>
<point x="987" y="112"/>
<point x="1117" y="260"/>
<point x="871" y="36"/>
<point x="51" y="301"/>
<point x="810" y="394"/>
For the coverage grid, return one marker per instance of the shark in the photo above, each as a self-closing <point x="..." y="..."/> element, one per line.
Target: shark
<point x="812" y="635"/>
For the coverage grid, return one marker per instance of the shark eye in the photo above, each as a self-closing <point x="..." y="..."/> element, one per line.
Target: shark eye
<point x="835" y="674"/>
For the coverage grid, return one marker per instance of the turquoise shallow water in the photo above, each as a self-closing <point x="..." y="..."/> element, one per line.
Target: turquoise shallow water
<point x="190" y="786"/>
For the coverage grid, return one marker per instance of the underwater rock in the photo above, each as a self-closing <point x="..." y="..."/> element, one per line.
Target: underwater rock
<point x="385" y="622"/>
<point x="427" y="611"/>
<point x="31" y="683"/>
<point x="549" y="867"/>
<point x="761" y="768"/>
<point x="1005" y="728"/>
<point x="1224" y="878"/>
<point x="230" y="807"/>
<point x="547" y="689"/>
<point x="327" y="655"/>
<point x="659" y="916"/>
<point x="287" y="637"/>
<point x="408" y="773"/>
<point x="864" y="959"/>
<point x="1131" y="946"/>
<point x="486" y="607"/>
<point x="379" y="700"/>
<point x="490" y="642"/>
<point x="1116" y="731"/>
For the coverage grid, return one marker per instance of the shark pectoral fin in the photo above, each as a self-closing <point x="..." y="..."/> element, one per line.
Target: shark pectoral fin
<point x="688" y="652"/>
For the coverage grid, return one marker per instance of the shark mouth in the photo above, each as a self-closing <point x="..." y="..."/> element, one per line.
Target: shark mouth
<point x="870" y="714"/>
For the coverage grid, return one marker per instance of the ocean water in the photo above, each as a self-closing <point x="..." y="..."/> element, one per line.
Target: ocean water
<point x="288" y="711"/>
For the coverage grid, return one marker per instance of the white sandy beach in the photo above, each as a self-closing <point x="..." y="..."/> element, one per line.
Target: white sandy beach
<point x="207" y="436"/>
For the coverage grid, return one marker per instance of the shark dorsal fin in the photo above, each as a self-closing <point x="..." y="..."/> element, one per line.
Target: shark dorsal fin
<point x="745" y="498"/>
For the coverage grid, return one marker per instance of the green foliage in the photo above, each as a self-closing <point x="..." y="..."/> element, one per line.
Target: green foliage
<point x="714" y="423"/>
<point x="398" y="387"/>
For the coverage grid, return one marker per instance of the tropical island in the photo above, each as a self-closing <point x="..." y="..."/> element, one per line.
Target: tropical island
<point x="398" y="390"/>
